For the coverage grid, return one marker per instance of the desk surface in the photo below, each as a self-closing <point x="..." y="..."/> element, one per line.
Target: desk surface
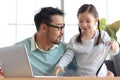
<point x="65" y="78"/>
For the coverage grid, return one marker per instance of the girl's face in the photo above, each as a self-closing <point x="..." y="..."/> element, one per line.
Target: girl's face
<point x="87" y="22"/>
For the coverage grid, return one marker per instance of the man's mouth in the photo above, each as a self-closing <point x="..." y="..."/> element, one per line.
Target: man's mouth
<point x="60" y="37"/>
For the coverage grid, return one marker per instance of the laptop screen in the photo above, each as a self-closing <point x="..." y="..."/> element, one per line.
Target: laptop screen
<point x="15" y="61"/>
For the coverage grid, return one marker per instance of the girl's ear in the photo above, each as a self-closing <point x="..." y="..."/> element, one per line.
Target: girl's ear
<point x="96" y="19"/>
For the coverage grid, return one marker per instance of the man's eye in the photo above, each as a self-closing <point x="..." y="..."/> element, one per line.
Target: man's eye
<point x="61" y="28"/>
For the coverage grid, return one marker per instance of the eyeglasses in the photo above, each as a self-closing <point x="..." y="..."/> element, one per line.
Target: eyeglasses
<point x="58" y="27"/>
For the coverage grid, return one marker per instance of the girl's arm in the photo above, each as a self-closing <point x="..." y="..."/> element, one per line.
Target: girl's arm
<point x="114" y="44"/>
<point x="64" y="61"/>
<point x="114" y="47"/>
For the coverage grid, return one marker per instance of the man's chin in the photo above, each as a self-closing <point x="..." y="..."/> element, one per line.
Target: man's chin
<point x="57" y="42"/>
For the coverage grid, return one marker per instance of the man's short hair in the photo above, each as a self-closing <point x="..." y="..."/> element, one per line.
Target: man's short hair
<point x="44" y="15"/>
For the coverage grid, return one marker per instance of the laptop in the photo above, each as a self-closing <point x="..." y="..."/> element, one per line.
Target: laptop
<point x="15" y="61"/>
<point x="105" y="52"/>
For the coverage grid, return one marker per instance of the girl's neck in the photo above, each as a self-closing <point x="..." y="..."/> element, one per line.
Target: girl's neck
<point x="87" y="36"/>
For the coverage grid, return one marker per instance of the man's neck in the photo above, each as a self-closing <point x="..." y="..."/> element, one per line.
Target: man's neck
<point x="42" y="43"/>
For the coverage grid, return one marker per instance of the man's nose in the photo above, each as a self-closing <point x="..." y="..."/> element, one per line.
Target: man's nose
<point x="62" y="31"/>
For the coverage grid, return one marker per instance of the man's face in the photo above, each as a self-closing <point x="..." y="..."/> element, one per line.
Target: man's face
<point x="54" y="34"/>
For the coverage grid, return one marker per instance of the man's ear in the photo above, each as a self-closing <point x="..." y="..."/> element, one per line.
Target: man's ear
<point x="43" y="27"/>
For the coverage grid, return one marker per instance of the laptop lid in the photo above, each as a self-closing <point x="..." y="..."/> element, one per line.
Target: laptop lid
<point x="15" y="61"/>
<point x="105" y="52"/>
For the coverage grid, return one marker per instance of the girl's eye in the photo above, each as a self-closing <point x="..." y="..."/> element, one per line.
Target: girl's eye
<point x="80" y="21"/>
<point x="88" y="21"/>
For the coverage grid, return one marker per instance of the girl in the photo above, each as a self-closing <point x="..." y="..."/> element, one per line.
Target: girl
<point x="87" y="46"/>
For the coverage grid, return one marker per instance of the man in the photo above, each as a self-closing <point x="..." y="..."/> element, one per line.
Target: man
<point x="45" y="47"/>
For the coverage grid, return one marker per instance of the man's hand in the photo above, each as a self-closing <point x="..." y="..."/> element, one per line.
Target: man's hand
<point x="57" y="70"/>
<point x="1" y="73"/>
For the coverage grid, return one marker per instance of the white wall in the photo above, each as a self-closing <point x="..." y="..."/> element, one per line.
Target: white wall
<point x="16" y="16"/>
<point x="17" y="19"/>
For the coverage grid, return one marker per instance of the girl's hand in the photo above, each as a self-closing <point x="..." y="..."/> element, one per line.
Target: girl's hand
<point x="113" y="45"/>
<point x="57" y="70"/>
<point x="110" y="74"/>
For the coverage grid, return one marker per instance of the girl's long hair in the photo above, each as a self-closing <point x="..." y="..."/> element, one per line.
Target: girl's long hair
<point x="91" y="9"/>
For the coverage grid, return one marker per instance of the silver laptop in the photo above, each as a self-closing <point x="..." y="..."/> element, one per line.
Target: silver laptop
<point x="15" y="62"/>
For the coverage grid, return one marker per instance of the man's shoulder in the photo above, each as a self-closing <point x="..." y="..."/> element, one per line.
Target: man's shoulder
<point x="62" y="44"/>
<point x="26" y="41"/>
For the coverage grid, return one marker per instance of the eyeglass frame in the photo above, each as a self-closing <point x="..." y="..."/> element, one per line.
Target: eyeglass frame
<point x="59" y="28"/>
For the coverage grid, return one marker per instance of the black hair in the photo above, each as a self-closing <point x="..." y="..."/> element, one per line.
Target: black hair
<point x="44" y="16"/>
<point x="91" y="9"/>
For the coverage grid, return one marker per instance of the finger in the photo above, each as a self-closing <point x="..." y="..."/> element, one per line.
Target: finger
<point x="110" y="43"/>
<point x="62" y="71"/>
<point x="55" y="73"/>
<point x="1" y="71"/>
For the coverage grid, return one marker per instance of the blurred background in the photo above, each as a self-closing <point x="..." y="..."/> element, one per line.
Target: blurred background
<point x="17" y="16"/>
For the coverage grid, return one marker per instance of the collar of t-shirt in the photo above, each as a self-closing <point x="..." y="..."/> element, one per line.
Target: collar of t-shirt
<point x="34" y="45"/>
